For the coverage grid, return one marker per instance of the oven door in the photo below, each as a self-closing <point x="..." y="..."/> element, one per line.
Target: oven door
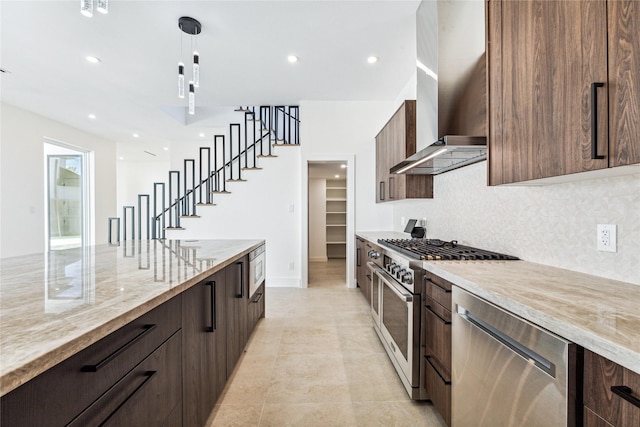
<point x="400" y="327"/>
<point x="376" y="294"/>
<point x="256" y="270"/>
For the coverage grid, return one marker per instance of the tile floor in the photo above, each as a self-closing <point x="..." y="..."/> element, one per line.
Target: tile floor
<point x="315" y="360"/>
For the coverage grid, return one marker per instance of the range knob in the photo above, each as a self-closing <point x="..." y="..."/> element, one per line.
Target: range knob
<point x="407" y="278"/>
<point x="391" y="268"/>
<point x="374" y="254"/>
<point x="400" y="273"/>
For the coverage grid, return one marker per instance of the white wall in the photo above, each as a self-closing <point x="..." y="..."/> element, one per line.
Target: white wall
<point x="317" y="220"/>
<point x="553" y="224"/>
<point x="267" y="206"/>
<point x="22" y="183"/>
<point x="137" y="178"/>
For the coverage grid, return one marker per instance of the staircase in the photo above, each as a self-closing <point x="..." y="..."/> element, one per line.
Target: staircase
<point x="199" y="183"/>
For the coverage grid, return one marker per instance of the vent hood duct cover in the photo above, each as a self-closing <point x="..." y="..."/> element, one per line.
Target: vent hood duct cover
<point x="454" y="98"/>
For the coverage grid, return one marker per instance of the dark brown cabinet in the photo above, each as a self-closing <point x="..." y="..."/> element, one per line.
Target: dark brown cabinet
<point x="205" y="348"/>
<point x="237" y="308"/>
<point x="564" y="95"/>
<point x="395" y="142"/>
<point x="256" y="307"/>
<point x="436" y="327"/>
<point x="611" y="393"/>
<point x="363" y="279"/>
<point x="92" y="384"/>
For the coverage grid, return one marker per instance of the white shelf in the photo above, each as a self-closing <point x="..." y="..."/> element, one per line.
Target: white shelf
<point x="336" y="188"/>
<point x="334" y="199"/>
<point x="336" y="225"/>
<point x="336" y="243"/>
<point x="343" y="213"/>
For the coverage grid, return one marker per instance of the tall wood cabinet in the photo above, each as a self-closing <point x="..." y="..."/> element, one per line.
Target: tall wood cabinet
<point x="553" y="66"/>
<point x="395" y="142"/>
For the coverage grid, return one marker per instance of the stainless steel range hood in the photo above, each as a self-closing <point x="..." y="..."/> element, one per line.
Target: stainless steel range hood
<point x="451" y="101"/>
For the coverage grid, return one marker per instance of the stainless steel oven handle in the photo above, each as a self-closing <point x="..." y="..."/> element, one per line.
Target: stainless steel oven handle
<point x="398" y="290"/>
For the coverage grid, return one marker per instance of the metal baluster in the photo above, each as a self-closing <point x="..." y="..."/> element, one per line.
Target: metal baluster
<point x="113" y="219"/>
<point x="162" y="224"/>
<point x="140" y="197"/>
<point x="124" y="222"/>
<point x="189" y="205"/>
<point x="208" y="181"/>
<point x="177" y="198"/>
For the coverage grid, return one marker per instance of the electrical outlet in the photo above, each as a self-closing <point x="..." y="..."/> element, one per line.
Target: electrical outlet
<point x="403" y="221"/>
<point x="291" y="266"/>
<point x="607" y="237"/>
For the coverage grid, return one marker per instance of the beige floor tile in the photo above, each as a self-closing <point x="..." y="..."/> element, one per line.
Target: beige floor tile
<point x="308" y="414"/>
<point x="315" y="360"/>
<point x="243" y="415"/>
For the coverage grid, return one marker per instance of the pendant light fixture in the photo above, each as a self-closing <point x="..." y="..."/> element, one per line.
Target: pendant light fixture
<point x="193" y="28"/>
<point x="102" y="6"/>
<point x="180" y="80"/>
<point x="192" y="99"/>
<point x="86" y="7"/>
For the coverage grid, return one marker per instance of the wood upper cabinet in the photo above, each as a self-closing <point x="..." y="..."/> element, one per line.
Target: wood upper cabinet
<point x="546" y="62"/>
<point x="395" y="142"/>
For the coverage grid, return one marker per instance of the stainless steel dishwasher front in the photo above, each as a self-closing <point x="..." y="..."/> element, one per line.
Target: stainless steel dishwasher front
<point x="507" y="371"/>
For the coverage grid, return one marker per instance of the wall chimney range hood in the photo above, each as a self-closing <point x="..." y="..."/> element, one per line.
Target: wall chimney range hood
<point x="451" y="103"/>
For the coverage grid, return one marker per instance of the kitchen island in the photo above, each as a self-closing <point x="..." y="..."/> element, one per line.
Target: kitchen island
<point x="60" y="304"/>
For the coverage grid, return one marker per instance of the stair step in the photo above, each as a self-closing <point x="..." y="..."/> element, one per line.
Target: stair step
<point x="174" y="228"/>
<point x="266" y="155"/>
<point x="205" y="204"/>
<point x="236" y="180"/>
<point x="189" y="216"/>
<point x="285" y="145"/>
<point x="251" y="169"/>
<point x="221" y="192"/>
<point x="242" y="110"/>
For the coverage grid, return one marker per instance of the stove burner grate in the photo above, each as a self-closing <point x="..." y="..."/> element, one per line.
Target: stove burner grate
<point x="437" y="250"/>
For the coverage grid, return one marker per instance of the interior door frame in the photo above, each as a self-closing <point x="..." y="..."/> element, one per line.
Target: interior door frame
<point x="88" y="187"/>
<point x="349" y="160"/>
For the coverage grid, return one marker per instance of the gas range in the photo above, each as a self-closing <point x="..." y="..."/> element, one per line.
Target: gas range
<point x="439" y="250"/>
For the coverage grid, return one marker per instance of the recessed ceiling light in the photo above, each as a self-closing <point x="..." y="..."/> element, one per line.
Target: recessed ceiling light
<point x="166" y="148"/>
<point x="92" y="59"/>
<point x="121" y="158"/>
<point x="135" y="135"/>
<point x="337" y="176"/>
<point x="201" y="134"/>
<point x="372" y="59"/>
<point x="292" y="58"/>
<point x="343" y="166"/>
<point x="92" y="116"/>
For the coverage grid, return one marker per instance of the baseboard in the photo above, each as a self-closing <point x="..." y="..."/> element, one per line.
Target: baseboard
<point x="318" y="259"/>
<point x="283" y="282"/>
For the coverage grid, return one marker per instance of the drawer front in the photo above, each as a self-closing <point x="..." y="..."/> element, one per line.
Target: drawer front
<point x="438" y="390"/>
<point x="68" y="388"/>
<point x="438" y="341"/>
<point x="592" y="420"/>
<point x="600" y="375"/>
<point x="439" y="294"/>
<point x="145" y="396"/>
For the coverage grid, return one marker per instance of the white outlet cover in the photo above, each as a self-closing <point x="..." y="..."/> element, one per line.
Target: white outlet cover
<point x="607" y="238"/>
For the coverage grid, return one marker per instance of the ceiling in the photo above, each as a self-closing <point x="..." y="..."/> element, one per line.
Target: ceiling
<point x="327" y="170"/>
<point x="243" y="55"/>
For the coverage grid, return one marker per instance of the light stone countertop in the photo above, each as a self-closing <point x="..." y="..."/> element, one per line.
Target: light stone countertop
<point x="52" y="305"/>
<point x="599" y="314"/>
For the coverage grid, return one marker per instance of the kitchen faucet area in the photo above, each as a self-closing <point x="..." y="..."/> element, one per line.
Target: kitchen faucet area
<point x="320" y="213"/>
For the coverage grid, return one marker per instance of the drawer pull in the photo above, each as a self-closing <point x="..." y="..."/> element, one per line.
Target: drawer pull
<point x="212" y="328"/>
<point x="148" y="375"/>
<point x="428" y="307"/>
<point x="626" y="393"/>
<point x="258" y="299"/>
<point x="434" y="368"/>
<point x="104" y="362"/>
<point x="438" y="287"/>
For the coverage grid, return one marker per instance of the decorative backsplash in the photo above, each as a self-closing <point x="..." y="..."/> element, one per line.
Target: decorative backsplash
<point x="553" y="224"/>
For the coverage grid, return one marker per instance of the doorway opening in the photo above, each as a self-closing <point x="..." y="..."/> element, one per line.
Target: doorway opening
<point x="328" y="223"/>
<point x="68" y="221"/>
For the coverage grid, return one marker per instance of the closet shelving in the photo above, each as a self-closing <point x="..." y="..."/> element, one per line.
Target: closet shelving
<point x="336" y="200"/>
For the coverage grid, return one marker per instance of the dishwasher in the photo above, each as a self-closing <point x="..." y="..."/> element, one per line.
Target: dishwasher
<point x="508" y="371"/>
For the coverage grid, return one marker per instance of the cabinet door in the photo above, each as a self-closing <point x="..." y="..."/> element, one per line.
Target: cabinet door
<point x="381" y="163"/>
<point x="204" y="358"/>
<point x="237" y="322"/>
<point x="543" y="58"/>
<point x="624" y="82"/>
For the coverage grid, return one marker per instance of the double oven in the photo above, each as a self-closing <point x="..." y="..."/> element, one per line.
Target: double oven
<point x="396" y="301"/>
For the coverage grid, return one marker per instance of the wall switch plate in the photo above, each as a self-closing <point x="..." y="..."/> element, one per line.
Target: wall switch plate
<point x="292" y="266"/>
<point x="403" y="221"/>
<point x="607" y="238"/>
